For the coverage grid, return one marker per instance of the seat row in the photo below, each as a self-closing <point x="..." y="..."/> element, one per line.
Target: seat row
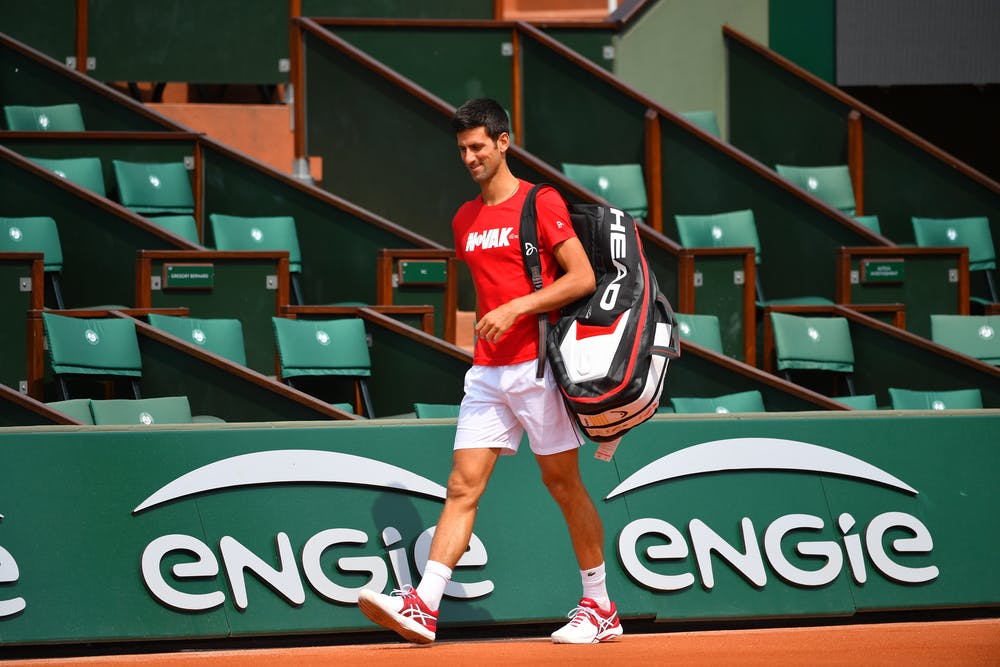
<point x="823" y="345"/>
<point x="82" y="349"/>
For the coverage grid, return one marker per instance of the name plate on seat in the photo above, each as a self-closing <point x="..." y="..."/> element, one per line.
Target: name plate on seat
<point x="883" y="270"/>
<point x="189" y="276"/>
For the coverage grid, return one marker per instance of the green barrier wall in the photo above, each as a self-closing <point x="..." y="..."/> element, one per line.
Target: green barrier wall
<point x="25" y="81"/>
<point x="47" y="25"/>
<point x="780" y="118"/>
<point x="15" y="302"/>
<point x="413" y="9"/>
<point x="338" y="241"/>
<point x="705" y="519"/>
<point x="226" y="41"/>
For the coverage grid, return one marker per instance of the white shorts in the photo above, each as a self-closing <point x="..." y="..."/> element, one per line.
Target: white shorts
<point x="503" y="402"/>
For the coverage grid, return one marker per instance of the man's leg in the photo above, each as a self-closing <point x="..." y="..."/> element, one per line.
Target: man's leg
<point x="561" y="475"/>
<point x="595" y="619"/>
<point x="413" y="614"/>
<point x="470" y="471"/>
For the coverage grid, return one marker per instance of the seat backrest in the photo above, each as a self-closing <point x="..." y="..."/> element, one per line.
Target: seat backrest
<point x="701" y="329"/>
<point x="77" y="408"/>
<point x="84" y="171"/>
<point x="870" y="221"/>
<point x="706" y="120"/>
<point x="184" y="226"/>
<point x="32" y="234"/>
<point x="975" y="335"/>
<point x="956" y="399"/>
<point x="744" y="401"/>
<point x="732" y="229"/>
<point x="435" y="410"/>
<point x="322" y="347"/>
<point x="822" y="343"/>
<point x="145" y="411"/>
<point x="54" y="118"/>
<point x="217" y="335"/>
<point x="621" y="184"/>
<point x="973" y="233"/>
<point x="154" y="187"/>
<point x="859" y="402"/>
<point x="831" y="184"/>
<point x="105" y="346"/>
<point x="234" y="232"/>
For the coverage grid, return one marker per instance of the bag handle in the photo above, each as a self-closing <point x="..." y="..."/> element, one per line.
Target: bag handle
<point x="533" y="264"/>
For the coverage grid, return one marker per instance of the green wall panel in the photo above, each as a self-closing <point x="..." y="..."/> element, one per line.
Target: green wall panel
<point x="227" y="41"/>
<point x="400" y="9"/>
<point x="805" y="33"/>
<point x="46" y="25"/>
<point x="24" y="81"/>
<point x="843" y="487"/>
<point x="455" y="65"/>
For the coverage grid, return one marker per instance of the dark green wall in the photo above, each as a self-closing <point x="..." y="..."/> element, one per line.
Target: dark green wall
<point x="805" y="33"/>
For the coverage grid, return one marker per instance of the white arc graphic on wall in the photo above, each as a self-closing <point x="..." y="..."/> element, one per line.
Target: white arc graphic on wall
<point x="755" y="454"/>
<point x="291" y="466"/>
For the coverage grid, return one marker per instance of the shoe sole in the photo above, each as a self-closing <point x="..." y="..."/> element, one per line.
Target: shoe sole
<point x="608" y="636"/>
<point x="391" y="621"/>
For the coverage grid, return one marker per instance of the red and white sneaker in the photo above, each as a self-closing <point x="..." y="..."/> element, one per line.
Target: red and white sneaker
<point x="589" y="624"/>
<point x="403" y="611"/>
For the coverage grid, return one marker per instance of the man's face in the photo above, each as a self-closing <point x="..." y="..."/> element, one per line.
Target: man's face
<point x="481" y="155"/>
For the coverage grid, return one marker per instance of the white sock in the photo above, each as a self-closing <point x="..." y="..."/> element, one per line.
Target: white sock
<point x="431" y="587"/>
<point x="594" y="586"/>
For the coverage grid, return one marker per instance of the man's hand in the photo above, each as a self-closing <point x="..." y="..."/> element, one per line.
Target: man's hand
<point x="495" y="323"/>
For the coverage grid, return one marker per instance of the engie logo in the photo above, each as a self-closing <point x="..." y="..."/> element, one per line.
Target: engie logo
<point x="748" y="560"/>
<point x="9" y="574"/>
<point x="288" y="467"/>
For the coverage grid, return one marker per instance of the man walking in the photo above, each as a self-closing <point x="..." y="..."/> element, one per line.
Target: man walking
<point x="503" y="397"/>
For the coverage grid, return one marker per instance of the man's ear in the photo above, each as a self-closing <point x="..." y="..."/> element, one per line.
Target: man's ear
<point x="503" y="141"/>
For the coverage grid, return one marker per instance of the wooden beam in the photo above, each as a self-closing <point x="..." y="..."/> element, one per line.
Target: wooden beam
<point x="856" y="159"/>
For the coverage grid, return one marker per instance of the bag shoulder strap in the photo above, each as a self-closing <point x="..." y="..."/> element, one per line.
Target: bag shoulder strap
<point x="533" y="264"/>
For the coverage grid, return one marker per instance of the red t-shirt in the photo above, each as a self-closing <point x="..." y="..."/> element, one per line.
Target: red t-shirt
<point x="487" y="239"/>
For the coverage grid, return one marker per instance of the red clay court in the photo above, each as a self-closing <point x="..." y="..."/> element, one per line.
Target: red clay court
<point x="965" y="643"/>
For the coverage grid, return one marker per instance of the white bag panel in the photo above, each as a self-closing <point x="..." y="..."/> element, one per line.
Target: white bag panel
<point x="592" y="357"/>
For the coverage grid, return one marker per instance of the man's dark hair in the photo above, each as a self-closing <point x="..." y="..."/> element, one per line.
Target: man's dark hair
<point x="482" y="112"/>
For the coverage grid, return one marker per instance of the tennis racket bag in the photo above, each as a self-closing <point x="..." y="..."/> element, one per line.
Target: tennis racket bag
<point x="610" y="350"/>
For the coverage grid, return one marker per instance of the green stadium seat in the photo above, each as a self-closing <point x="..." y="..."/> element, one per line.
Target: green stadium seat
<point x="621" y="184"/>
<point x="101" y="348"/>
<point x="154" y="188"/>
<point x="813" y="344"/>
<point x="77" y="408"/>
<point x="324" y="348"/>
<point x="233" y="232"/>
<point x="436" y="410"/>
<point x="859" y="402"/>
<point x="831" y="184"/>
<point x="146" y="411"/>
<point x="972" y="233"/>
<point x="54" y="118"/>
<point x="956" y="399"/>
<point x="975" y="335"/>
<point x="36" y="234"/>
<point x="701" y="329"/>
<point x="223" y="337"/>
<point x="706" y="120"/>
<point x="744" y="401"/>
<point x="84" y="171"/>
